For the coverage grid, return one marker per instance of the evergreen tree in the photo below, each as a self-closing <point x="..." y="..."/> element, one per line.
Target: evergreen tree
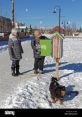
<point x="30" y="29"/>
<point x="79" y="30"/>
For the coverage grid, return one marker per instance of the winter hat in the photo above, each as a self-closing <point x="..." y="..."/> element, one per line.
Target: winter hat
<point x="10" y="36"/>
<point x="14" y="31"/>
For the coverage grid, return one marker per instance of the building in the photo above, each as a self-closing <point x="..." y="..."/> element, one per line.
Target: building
<point x="5" y="24"/>
<point x="20" y="27"/>
<point x="57" y="29"/>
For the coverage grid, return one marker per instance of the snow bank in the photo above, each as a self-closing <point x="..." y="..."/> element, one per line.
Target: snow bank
<point x="3" y="48"/>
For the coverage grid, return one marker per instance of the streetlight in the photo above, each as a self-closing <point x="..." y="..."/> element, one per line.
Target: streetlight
<point x="13" y="22"/>
<point x="59" y="11"/>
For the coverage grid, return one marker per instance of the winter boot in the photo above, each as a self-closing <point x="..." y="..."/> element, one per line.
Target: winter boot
<point x="36" y="72"/>
<point x="41" y="72"/>
<point x="13" y="71"/>
<point x="17" y="70"/>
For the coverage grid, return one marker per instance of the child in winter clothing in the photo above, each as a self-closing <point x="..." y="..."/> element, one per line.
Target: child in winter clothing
<point x="15" y="52"/>
<point x="38" y="59"/>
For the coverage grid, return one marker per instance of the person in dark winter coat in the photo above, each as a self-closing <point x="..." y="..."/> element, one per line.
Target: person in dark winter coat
<point x="38" y="59"/>
<point x="15" y="52"/>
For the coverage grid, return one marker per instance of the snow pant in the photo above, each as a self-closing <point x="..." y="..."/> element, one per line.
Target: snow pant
<point x="15" y="66"/>
<point x="39" y="63"/>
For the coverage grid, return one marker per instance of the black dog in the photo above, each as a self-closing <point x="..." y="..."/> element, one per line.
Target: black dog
<point x="57" y="91"/>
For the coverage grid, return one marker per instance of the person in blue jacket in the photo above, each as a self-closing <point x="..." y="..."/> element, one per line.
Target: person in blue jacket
<point x="38" y="59"/>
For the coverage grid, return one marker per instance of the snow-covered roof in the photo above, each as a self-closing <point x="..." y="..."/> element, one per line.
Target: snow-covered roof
<point x="50" y="36"/>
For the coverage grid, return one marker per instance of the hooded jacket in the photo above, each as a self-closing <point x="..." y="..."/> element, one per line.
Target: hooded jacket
<point x="15" y="48"/>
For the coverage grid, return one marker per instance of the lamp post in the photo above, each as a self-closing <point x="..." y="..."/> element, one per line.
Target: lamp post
<point x="13" y="23"/>
<point x="59" y="11"/>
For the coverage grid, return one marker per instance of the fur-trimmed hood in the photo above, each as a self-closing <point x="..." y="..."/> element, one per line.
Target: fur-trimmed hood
<point x="11" y="36"/>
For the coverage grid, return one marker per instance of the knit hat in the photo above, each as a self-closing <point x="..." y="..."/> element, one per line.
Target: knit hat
<point x="14" y="31"/>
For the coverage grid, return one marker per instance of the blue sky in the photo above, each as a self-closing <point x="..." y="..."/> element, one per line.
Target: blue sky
<point x="40" y="12"/>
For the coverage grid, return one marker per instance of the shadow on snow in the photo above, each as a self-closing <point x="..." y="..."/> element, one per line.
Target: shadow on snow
<point x="77" y="67"/>
<point x="70" y="93"/>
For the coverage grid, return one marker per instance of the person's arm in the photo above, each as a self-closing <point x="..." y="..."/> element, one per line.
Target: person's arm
<point x="43" y="37"/>
<point x="10" y="47"/>
<point x="21" y="48"/>
<point x="33" y="45"/>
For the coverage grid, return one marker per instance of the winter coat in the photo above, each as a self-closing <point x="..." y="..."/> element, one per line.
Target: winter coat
<point x="15" y="48"/>
<point x="35" y="44"/>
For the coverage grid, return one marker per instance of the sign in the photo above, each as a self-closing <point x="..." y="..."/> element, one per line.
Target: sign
<point x="46" y="47"/>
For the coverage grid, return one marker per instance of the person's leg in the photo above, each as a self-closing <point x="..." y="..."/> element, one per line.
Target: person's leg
<point x="17" y="67"/>
<point x="13" y="67"/>
<point x="36" y="65"/>
<point x="41" y="64"/>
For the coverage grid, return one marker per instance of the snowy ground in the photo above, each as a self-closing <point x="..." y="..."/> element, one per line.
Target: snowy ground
<point x="30" y="91"/>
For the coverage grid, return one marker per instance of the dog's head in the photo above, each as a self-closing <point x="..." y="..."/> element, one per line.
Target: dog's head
<point x="53" y="79"/>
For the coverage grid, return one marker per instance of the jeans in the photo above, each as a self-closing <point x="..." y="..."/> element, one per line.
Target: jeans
<point x="15" y="64"/>
<point x="39" y="63"/>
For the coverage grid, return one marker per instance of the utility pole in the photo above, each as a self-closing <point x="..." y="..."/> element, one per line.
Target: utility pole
<point x="13" y="22"/>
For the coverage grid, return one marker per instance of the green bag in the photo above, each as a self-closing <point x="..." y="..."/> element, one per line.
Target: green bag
<point x="46" y="47"/>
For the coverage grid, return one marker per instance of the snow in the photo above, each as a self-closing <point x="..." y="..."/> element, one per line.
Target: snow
<point x="33" y="90"/>
<point x="3" y="48"/>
